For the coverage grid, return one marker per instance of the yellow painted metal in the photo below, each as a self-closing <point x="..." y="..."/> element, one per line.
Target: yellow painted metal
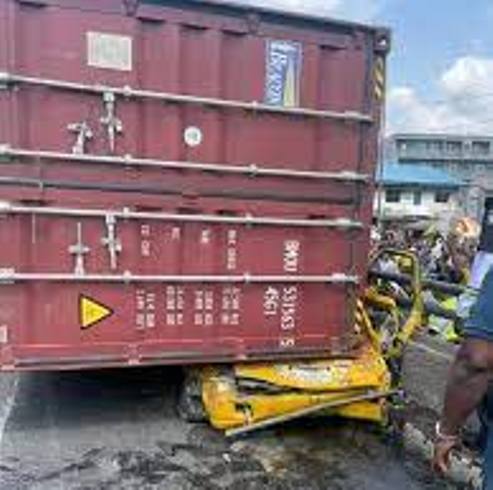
<point x="415" y="318"/>
<point x="405" y="327"/>
<point x="376" y="412"/>
<point x="244" y="394"/>
<point x="366" y="370"/>
<point x="285" y="388"/>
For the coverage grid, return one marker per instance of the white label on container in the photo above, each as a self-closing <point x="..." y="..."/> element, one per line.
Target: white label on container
<point x="291" y="256"/>
<point x="193" y="136"/>
<point x="281" y="304"/>
<point x="110" y="51"/>
<point x="145" y="309"/>
<point x="4" y="334"/>
<point x="271" y="301"/>
<point x="204" y="307"/>
<point x="287" y="342"/>
<point x="145" y="242"/>
<point x="231" y="302"/>
<point x="231" y="251"/>
<point x="205" y="237"/>
<point x="288" y="308"/>
<point x="175" y="305"/>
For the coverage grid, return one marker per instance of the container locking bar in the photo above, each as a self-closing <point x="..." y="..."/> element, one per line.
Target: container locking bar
<point x="79" y="250"/>
<point x="83" y="134"/>
<point x="128" y="92"/>
<point x="9" y="276"/>
<point x="111" y="241"/>
<point x="252" y="170"/>
<point x="113" y="125"/>
<point x="111" y="215"/>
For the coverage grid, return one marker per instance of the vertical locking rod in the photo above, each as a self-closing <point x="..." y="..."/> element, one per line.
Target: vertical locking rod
<point x="79" y="250"/>
<point x="111" y="241"/>
<point x="114" y="126"/>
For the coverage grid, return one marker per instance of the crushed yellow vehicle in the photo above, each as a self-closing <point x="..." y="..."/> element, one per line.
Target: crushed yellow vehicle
<point x="260" y="393"/>
<point x="246" y="397"/>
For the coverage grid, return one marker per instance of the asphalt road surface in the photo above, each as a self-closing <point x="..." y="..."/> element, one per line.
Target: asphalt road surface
<point x="426" y="367"/>
<point x="119" y="430"/>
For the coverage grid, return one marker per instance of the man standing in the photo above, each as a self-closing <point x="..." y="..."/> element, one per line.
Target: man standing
<point x="469" y="384"/>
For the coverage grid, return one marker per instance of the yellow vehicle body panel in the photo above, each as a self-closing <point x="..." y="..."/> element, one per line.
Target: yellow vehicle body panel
<point x="295" y="387"/>
<point x="364" y="371"/>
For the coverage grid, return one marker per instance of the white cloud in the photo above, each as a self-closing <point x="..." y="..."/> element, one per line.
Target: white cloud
<point x="468" y="74"/>
<point x="465" y="106"/>
<point x="358" y="10"/>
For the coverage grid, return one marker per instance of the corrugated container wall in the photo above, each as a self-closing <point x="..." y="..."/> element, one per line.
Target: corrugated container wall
<point x="181" y="181"/>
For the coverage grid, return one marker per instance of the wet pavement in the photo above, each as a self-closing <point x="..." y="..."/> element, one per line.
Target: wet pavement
<point x="119" y="430"/>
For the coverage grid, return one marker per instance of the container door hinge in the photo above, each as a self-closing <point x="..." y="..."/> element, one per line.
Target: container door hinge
<point x="79" y="250"/>
<point x="4" y="152"/>
<point x="114" y="126"/>
<point x="383" y="41"/>
<point x="6" y="275"/>
<point x="83" y="133"/>
<point x="4" y="80"/>
<point x="111" y="241"/>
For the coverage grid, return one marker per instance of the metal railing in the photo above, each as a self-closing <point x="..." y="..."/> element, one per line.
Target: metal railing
<point x="128" y="92"/>
<point x="8" y="276"/>
<point x="127" y="214"/>
<point x="129" y="161"/>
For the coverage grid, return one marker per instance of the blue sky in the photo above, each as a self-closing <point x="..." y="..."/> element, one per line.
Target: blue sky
<point x="441" y="66"/>
<point x="430" y="35"/>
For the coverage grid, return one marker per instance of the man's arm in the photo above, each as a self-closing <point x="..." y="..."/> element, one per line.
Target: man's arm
<point x="468" y="384"/>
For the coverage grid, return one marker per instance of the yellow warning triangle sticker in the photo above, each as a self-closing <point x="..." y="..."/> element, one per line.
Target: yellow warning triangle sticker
<point x="92" y="312"/>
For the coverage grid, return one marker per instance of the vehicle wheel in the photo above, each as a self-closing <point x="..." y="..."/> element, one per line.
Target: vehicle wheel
<point x="189" y="403"/>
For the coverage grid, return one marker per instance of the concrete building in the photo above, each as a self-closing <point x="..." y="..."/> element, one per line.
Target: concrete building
<point x="468" y="158"/>
<point x="417" y="194"/>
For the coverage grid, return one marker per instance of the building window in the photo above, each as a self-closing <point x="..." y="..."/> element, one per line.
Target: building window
<point x="418" y="146"/>
<point x="417" y="198"/>
<point x="402" y="146"/>
<point x="454" y="147"/>
<point x="434" y="146"/>
<point x="393" y="195"/>
<point x="478" y="169"/>
<point x="481" y="147"/>
<point x="442" y="197"/>
<point x="453" y="168"/>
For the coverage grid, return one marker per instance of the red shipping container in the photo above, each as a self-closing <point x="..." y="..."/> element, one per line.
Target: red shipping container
<point x="182" y="181"/>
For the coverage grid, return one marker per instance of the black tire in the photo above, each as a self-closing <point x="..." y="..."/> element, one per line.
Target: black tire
<point x="189" y="404"/>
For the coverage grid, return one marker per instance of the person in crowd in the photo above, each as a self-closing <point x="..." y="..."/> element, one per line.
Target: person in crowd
<point x="469" y="387"/>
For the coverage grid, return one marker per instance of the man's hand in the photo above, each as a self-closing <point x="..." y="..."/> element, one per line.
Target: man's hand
<point x="467" y="385"/>
<point x="441" y="454"/>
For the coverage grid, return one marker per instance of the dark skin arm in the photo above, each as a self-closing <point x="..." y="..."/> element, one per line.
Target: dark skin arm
<point x="467" y="385"/>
